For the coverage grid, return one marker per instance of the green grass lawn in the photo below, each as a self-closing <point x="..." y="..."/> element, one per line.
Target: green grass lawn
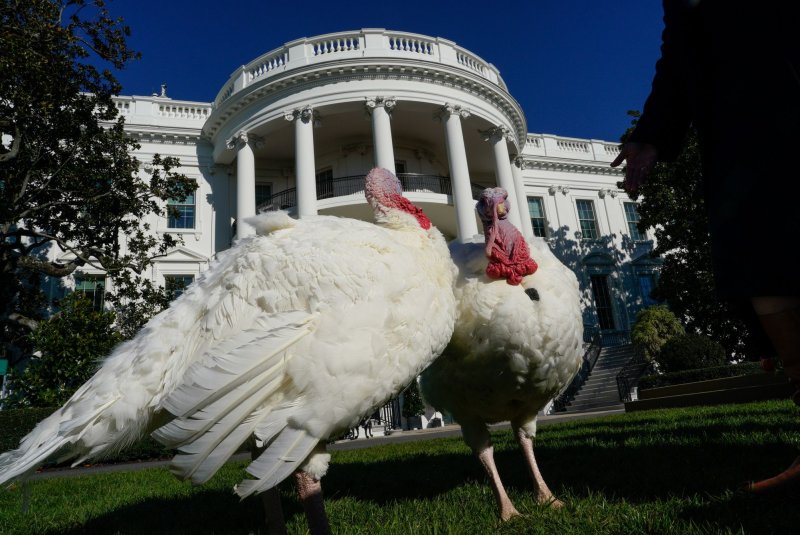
<point x="666" y="471"/>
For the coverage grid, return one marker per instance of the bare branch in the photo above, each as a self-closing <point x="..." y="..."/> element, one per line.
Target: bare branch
<point x="15" y="145"/>
<point x="19" y="319"/>
<point x="48" y="268"/>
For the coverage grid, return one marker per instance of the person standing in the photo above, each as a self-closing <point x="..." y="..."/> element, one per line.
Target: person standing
<point x="731" y="70"/>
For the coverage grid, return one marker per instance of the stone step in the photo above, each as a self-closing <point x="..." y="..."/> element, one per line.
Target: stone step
<point x="598" y="385"/>
<point x="612" y="396"/>
<point x="610" y="399"/>
<point x="599" y="391"/>
<point x="597" y="394"/>
<point x="593" y="406"/>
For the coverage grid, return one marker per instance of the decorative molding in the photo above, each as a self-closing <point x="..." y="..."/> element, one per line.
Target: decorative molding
<point x="213" y="168"/>
<point x="302" y="79"/>
<point x="305" y="114"/>
<point x="164" y="138"/>
<point x="387" y="103"/>
<point x="495" y="134"/>
<point x="242" y="138"/>
<point x="607" y="191"/>
<point x="595" y="168"/>
<point x="452" y="109"/>
<point x="552" y="190"/>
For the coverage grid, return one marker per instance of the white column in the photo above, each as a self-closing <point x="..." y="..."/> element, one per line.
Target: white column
<point x="380" y="109"/>
<point x="522" y="198"/>
<point x="459" y="172"/>
<point x="502" y="170"/>
<point x="305" y="165"/>
<point x="245" y="180"/>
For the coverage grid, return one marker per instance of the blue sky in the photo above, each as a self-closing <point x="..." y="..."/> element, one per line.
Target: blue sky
<point x="575" y="66"/>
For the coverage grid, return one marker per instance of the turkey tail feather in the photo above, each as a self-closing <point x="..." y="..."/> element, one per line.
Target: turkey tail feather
<point x="282" y="457"/>
<point x="225" y="396"/>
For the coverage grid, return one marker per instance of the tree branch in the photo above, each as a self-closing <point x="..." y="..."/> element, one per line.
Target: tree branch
<point x="48" y="268"/>
<point x="15" y="145"/>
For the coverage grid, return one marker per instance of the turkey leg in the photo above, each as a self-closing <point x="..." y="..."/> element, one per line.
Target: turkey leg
<point x="542" y="492"/>
<point x="507" y="509"/>
<point x="271" y="499"/>
<point x="310" y="491"/>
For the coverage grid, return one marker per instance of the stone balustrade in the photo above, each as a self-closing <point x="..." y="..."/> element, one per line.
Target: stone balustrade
<point x="572" y="148"/>
<point x="161" y="110"/>
<point x="364" y="43"/>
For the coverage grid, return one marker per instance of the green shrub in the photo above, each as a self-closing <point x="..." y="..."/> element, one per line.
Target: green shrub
<point x="15" y="424"/>
<point x="689" y="352"/>
<point x="654" y="326"/>
<point x="412" y="401"/>
<point x="702" y="374"/>
<point x="70" y="345"/>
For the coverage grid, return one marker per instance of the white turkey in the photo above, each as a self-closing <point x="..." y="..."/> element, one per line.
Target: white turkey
<point x="291" y="336"/>
<point x="516" y="345"/>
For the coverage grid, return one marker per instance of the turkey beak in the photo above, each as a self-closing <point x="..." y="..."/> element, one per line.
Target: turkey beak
<point x="501" y="209"/>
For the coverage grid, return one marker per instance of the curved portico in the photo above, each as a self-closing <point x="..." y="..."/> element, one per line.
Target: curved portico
<point x="322" y="112"/>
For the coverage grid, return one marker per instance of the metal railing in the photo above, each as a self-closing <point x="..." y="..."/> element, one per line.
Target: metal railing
<point x="589" y="360"/>
<point x="616" y="338"/>
<point x="628" y="377"/>
<point x="351" y="185"/>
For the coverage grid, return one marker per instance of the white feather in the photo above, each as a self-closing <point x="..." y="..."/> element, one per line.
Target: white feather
<point x="292" y="335"/>
<point x="509" y="355"/>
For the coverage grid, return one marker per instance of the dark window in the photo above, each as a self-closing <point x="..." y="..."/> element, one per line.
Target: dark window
<point x="325" y="183"/>
<point x="602" y="301"/>
<point x="538" y="221"/>
<point x="646" y="284"/>
<point x="263" y="193"/>
<point x="93" y="288"/>
<point x="177" y="284"/>
<point x="181" y="212"/>
<point x="632" y="216"/>
<point x="587" y="220"/>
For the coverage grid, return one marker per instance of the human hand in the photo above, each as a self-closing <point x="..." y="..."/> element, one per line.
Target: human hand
<point x="641" y="159"/>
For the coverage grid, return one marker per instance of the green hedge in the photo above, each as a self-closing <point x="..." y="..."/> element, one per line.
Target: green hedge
<point x="15" y="424"/>
<point x="702" y="374"/>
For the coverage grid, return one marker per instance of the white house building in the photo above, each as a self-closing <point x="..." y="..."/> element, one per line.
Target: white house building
<point x="298" y="128"/>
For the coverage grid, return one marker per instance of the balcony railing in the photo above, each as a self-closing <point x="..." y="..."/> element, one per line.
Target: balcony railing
<point x="367" y="43"/>
<point x="352" y="185"/>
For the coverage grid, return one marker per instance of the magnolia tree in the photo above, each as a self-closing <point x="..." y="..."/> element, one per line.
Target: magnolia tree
<point x="67" y="177"/>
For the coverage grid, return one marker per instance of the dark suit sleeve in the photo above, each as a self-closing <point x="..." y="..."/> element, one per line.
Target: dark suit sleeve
<point x="667" y="112"/>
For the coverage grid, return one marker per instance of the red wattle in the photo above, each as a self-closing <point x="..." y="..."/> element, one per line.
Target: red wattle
<point x="513" y="268"/>
<point x="410" y="208"/>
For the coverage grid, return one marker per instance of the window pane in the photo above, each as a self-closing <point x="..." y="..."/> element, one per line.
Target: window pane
<point x="538" y="221"/>
<point x="632" y="216"/>
<point x="177" y="284"/>
<point x="181" y="216"/>
<point x="263" y="193"/>
<point x="325" y="183"/>
<point x="93" y="288"/>
<point x="602" y="301"/>
<point x="180" y="212"/>
<point x="586" y="219"/>
<point x="325" y="174"/>
<point x="646" y="284"/>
